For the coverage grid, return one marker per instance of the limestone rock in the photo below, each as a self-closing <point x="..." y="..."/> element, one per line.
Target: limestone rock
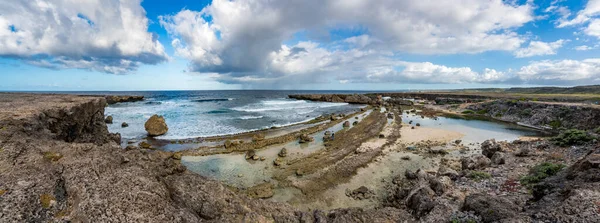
<point x="108" y="119"/>
<point x="156" y="126"/>
<point x="304" y="138"/>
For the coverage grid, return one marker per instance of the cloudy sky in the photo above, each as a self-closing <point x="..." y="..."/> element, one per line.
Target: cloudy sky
<point x="297" y="44"/>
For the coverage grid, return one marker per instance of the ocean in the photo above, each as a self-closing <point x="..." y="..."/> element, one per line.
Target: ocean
<point x="191" y="114"/>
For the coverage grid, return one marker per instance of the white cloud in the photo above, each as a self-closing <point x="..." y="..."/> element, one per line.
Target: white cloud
<point x="560" y="71"/>
<point x="591" y="9"/>
<point x="593" y="28"/>
<point x="103" y="35"/>
<point x="538" y="48"/>
<point x="585" y="47"/>
<point x="245" y="38"/>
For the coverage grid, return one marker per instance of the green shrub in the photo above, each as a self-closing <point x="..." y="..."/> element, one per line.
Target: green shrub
<point x="479" y="176"/>
<point x="541" y="172"/>
<point x="482" y="112"/>
<point x="498" y="115"/>
<point x="467" y="112"/>
<point x="572" y="137"/>
<point x="526" y="112"/>
<point x="597" y="130"/>
<point x="555" y="124"/>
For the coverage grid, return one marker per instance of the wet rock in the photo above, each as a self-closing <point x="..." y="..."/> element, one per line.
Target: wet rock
<point x="261" y="191"/>
<point x="346" y="124"/>
<point x="360" y="193"/>
<point x="438" y="151"/>
<point x="489" y="147"/>
<point x="475" y="162"/>
<point x="124" y="125"/>
<point x="304" y="138"/>
<point x="108" y="119"/>
<point x="251" y="154"/>
<point x="457" y="142"/>
<point x="131" y="147"/>
<point x="355" y="123"/>
<point x="282" y="153"/>
<point x="418" y="124"/>
<point x="390" y="115"/>
<point x="145" y="145"/>
<point x="156" y="126"/>
<point x="490" y="208"/>
<point x="411" y="148"/>
<point x="113" y="99"/>
<point x="327" y="136"/>
<point x="499" y="158"/>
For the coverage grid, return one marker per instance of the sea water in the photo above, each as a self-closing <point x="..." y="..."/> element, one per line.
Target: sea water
<point x="191" y="114"/>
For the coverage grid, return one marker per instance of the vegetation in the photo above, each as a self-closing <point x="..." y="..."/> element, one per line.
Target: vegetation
<point x="52" y="156"/>
<point x="572" y="137"/>
<point x="597" y="130"/>
<point x="2" y="192"/>
<point x="46" y="200"/>
<point x="541" y="172"/>
<point x="555" y="124"/>
<point x="479" y="176"/>
<point x="526" y="112"/>
<point x="468" y="112"/>
<point x="482" y="112"/>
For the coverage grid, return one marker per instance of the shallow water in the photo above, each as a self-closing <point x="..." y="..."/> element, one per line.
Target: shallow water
<point x="235" y="170"/>
<point x="474" y="130"/>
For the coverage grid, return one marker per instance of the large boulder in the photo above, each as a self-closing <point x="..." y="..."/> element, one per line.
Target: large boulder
<point x="346" y="124"/>
<point x="489" y="147"/>
<point x="490" y="208"/>
<point x="475" y="162"/>
<point x="156" y="126"/>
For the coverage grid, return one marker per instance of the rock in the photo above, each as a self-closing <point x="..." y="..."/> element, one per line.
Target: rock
<point x="405" y="158"/>
<point x="299" y="172"/>
<point x="113" y="99"/>
<point x="262" y="191"/>
<point x="304" y="138"/>
<point x="250" y="154"/>
<point x="145" y="145"/>
<point x="278" y="162"/>
<point x="108" y="119"/>
<point x="381" y="136"/>
<point x="457" y="142"/>
<point x="131" y="147"/>
<point x="524" y="151"/>
<point x="499" y="158"/>
<point x="328" y="136"/>
<point x="355" y="123"/>
<point x="489" y="147"/>
<point x="412" y="127"/>
<point x="282" y="153"/>
<point x="346" y="124"/>
<point x="418" y="124"/>
<point x="360" y="193"/>
<point x="420" y="200"/>
<point x="440" y="185"/>
<point x="229" y="144"/>
<point x="124" y="125"/>
<point x="438" y="150"/>
<point x="475" y="162"/>
<point x="390" y="115"/>
<point x="156" y="126"/>
<point x="490" y="208"/>
<point x="262" y="158"/>
<point x="449" y="172"/>
<point x="411" y="148"/>
<point x="177" y="155"/>
<point x="333" y="118"/>
<point x="258" y="137"/>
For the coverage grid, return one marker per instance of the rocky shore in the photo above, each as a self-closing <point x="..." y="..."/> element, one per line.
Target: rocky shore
<point x="59" y="163"/>
<point x="113" y="99"/>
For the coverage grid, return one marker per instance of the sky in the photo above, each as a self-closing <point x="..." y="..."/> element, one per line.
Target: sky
<point x="112" y="45"/>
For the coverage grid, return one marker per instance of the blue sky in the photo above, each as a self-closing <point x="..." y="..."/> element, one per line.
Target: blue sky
<point x="309" y="44"/>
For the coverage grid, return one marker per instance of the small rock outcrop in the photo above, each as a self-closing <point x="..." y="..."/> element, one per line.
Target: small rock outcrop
<point x="113" y="99"/>
<point x="346" y="124"/>
<point x="124" y="125"/>
<point x="156" y="126"/>
<point x="108" y="119"/>
<point x="304" y="138"/>
<point x="282" y="153"/>
<point x="475" y="162"/>
<point x="489" y="147"/>
<point x="360" y="193"/>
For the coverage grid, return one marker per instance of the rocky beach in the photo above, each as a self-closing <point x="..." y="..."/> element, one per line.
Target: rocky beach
<point x="398" y="157"/>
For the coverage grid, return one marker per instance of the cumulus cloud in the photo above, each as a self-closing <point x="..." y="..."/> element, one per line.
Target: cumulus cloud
<point x="591" y="9"/>
<point x="539" y="48"/>
<point x="103" y="35"/>
<point x="561" y="71"/>
<point x="244" y="40"/>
